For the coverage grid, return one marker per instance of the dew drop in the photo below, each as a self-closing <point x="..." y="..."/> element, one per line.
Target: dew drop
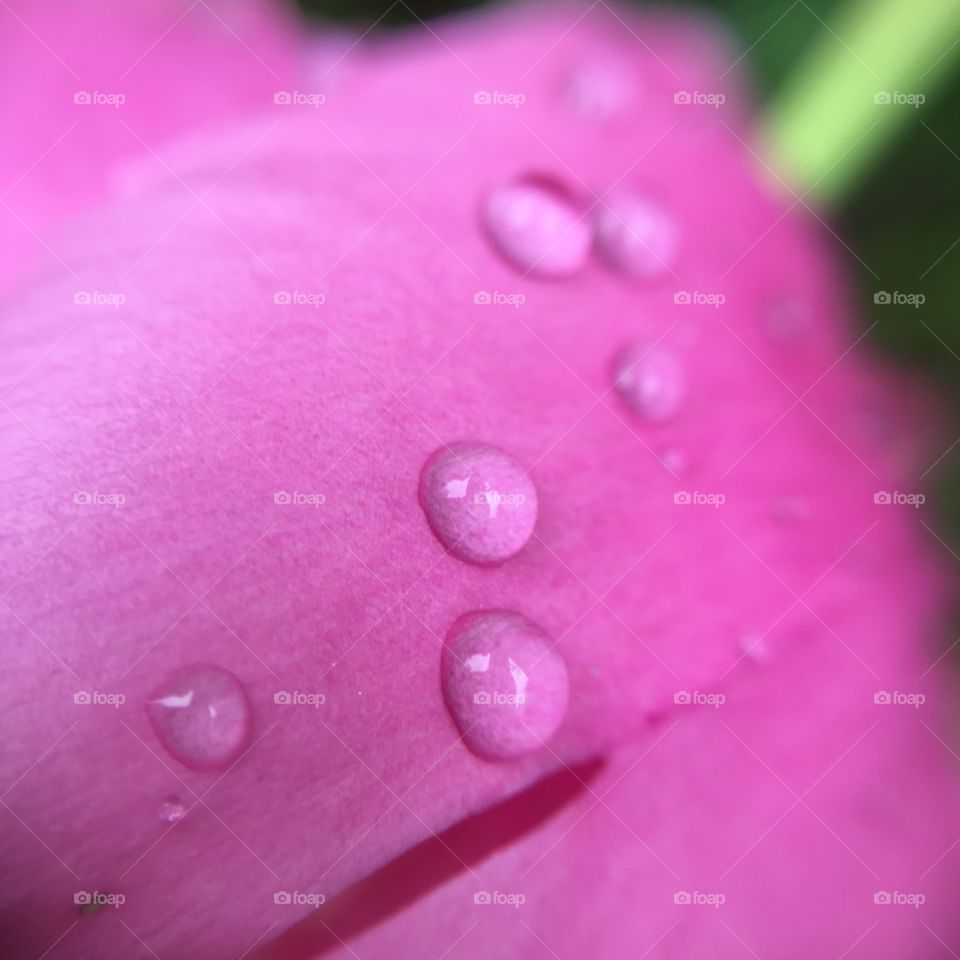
<point x="754" y="647"/>
<point x="600" y="90"/>
<point x="479" y="501"/>
<point x="636" y="235"/>
<point x="538" y="226"/>
<point x="787" y="319"/>
<point x="202" y="716"/>
<point x="514" y="705"/>
<point x="788" y="509"/>
<point x="172" y="810"/>
<point x="676" y="461"/>
<point x="651" y="381"/>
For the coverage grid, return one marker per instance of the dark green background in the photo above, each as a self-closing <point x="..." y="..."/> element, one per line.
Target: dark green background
<point x="902" y="216"/>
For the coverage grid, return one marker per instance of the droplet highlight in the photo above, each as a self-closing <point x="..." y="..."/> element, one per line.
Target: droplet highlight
<point x="479" y="501"/>
<point x="636" y="235"/>
<point x="538" y="226"/>
<point x="202" y="716"/>
<point x="504" y="683"/>
<point x="172" y="810"/>
<point x="651" y="381"/>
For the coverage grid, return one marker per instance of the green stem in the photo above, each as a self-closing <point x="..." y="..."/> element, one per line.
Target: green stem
<point x="827" y="126"/>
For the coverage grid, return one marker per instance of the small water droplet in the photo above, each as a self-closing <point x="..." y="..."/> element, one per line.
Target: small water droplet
<point x="676" y="461"/>
<point x="538" y="226"/>
<point x="636" y="235"/>
<point x="172" y="810"/>
<point x="600" y="90"/>
<point x="479" y="501"/>
<point x="651" y="381"/>
<point x="754" y="647"/>
<point x="514" y="706"/>
<point x="786" y="319"/>
<point x="788" y="509"/>
<point x="202" y="716"/>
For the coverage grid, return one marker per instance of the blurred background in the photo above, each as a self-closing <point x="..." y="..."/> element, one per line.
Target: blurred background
<point x="900" y="213"/>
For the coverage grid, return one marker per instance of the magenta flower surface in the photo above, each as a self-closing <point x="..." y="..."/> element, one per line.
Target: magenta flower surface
<point x="448" y="506"/>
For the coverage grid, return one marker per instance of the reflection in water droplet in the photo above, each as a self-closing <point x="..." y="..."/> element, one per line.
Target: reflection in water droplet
<point x="537" y="225"/>
<point x="651" y="381"/>
<point x="636" y="235"/>
<point x="517" y="704"/>
<point x="202" y="716"/>
<point x="480" y="503"/>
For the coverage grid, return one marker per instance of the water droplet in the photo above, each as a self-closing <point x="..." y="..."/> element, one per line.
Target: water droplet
<point x="636" y="235"/>
<point x="480" y="503"/>
<point x="754" y="647"/>
<point x="202" y="716"/>
<point x="537" y="225"/>
<point x="600" y="90"/>
<point x="676" y="461"/>
<point x="788" y="509"/>
<point x="172" y="810"/>
<point x="517" y="703"/>
<point x="787" y="319"/>
<point x="651" y="381"/>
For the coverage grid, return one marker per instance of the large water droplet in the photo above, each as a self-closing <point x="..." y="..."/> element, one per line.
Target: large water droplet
<point x="651" y="381"/>
<point x="504" y="684"/>
<point x="202" y="716"/>
<point x="636" y="235"/>
<point x="480" y="503"/>
<point x="537" y="225"/>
